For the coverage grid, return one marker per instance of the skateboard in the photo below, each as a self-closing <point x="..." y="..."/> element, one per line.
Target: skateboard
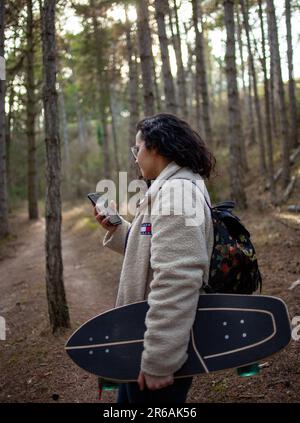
<point x="229" y="331"/>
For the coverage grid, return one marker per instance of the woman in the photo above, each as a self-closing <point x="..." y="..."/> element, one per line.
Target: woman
<point x="166" y="261"/>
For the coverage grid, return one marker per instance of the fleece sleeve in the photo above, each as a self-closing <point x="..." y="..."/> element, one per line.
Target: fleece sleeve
<point x="116" y="240"/>
<point x="178" y="258"/>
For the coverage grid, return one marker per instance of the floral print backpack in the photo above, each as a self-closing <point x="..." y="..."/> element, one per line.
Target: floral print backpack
<point x="233" y="267"/>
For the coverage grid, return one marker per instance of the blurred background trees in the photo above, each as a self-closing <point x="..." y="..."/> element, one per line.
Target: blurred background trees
<point x="118" y="61"/>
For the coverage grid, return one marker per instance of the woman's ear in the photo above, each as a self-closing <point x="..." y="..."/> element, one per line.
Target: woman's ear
<point x="154" y="152"/>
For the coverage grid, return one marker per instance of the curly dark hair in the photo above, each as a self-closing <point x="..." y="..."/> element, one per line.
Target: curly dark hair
<point x="174" y="139"/>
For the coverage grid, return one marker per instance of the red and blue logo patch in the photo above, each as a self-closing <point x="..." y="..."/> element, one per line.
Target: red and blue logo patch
<point x="146" y="229"/>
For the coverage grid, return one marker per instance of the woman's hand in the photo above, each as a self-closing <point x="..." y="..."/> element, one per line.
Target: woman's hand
<point x="104" y="221"/>
<point x="154" y="382"/>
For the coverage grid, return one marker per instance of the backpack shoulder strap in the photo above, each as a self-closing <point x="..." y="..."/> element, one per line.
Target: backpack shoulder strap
<point x="194" y="182"/>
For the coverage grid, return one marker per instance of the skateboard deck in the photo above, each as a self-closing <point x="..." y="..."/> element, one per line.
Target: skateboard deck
<point x="229" y="331"/>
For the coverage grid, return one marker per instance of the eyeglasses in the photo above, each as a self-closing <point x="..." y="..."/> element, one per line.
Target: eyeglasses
<point x="135" y="151"/>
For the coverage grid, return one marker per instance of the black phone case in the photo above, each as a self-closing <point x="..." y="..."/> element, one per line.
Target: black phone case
<point x="114" y="219"/>
<point x="93" y="198"/>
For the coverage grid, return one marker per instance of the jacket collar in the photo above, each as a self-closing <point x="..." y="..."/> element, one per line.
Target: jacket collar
<point x="172" y="170"/>
<point x="166" y="173"/>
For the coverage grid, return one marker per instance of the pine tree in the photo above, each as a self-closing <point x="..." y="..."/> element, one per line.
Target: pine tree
<point x="275" y="59"/>
<point x="4" y="228"/>
<point x="161" y="10"/>
<point x="292" y="88"/>
<point x="32" y="182"/>
<point x="235" y="130"/>
<point x="145" y="51"/>
<point x="57" y="304"/>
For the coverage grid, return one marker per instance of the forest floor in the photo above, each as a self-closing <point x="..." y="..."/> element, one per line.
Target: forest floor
<point x="33" y="364"/>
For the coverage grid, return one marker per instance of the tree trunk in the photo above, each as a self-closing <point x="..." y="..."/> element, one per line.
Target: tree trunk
<point x="81" y="124"/>
<point x="8" y="125"/>
<point x="133" y="99"/>
<point x="262" y="160"/>
<point x="102" y="87"/>
<point x="220" y="81"/>
<point x="196" y="88"/>
<point x="292" y="88"/>
<point x="80" y="118"/>
<point x="273" y="103"/>
<point x="32" y="183"/>
<point x="252" y="129"/>
<point x="10" y="93"/>
<point x="106" y="155"/>
<point x="157" y="95"/>
<point x="114" y="129"/>
<point x="161" y="9"/>
<point x="4" y="228"/>
<point x="210" y="78"/>
<point x="65" y="133"/>
<point x="145" y="51"/>
<point x="275" y="56"/>
<point x="201" y="73"/>
<point x="181" y="78"/>
<point x="267" y="109"/>
<point x="235" y="129"/>
<point x="190" y="88"/>
<point x="244" y="97"/>
<point x="246" y="94"/>
<point x="57" y="304"/>
<point x="240" y="44"/>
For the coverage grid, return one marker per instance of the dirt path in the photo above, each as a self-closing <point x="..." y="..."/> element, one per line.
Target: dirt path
<point x="33" y="364"/>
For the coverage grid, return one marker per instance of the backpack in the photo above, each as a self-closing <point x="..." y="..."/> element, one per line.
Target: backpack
<point x="233" y="266"/>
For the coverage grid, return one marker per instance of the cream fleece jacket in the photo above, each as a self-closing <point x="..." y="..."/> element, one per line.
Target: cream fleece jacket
<point x="166" y="262"/>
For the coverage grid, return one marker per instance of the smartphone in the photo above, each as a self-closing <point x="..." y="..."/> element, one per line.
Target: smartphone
<point x="114" y="218"/>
